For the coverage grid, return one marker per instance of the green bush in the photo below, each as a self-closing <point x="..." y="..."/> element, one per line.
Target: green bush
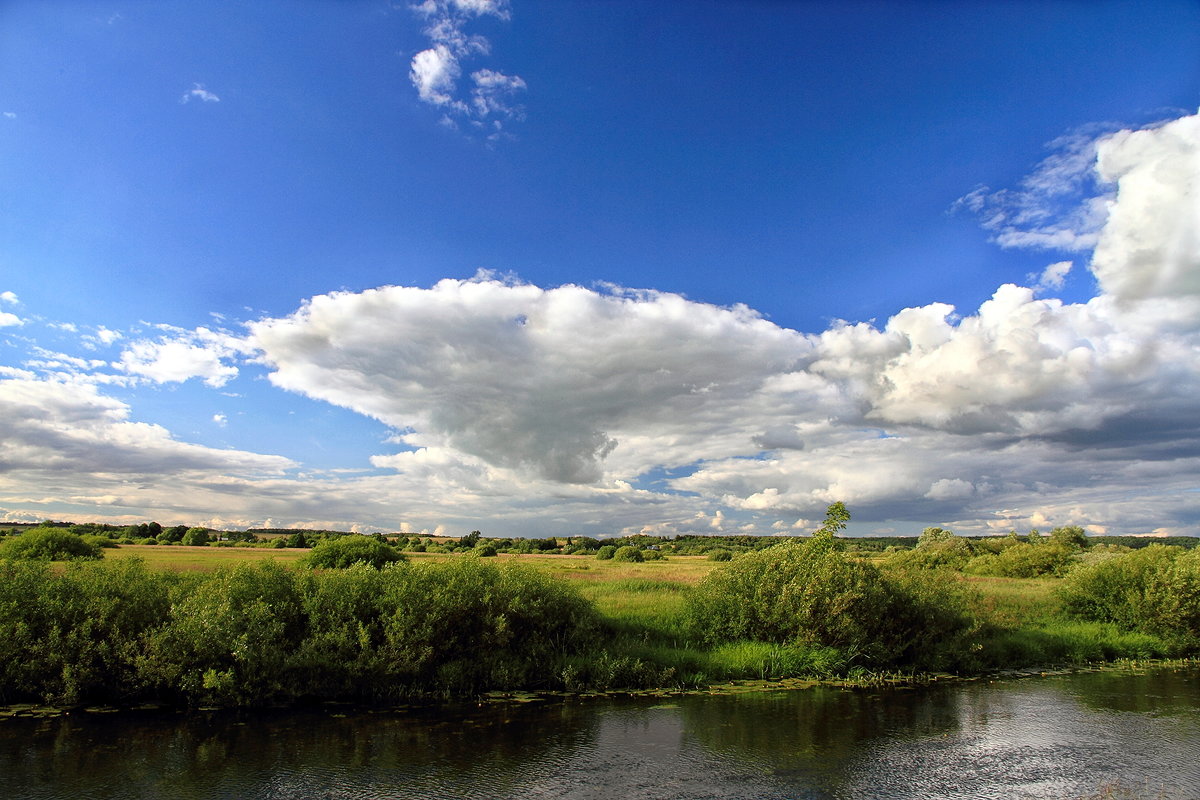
<point x="230" y="638"/>
<point x="77" y="636"/>
<point x="195" y="537"/>
<point x="48" y="544"/>
<point x="149" y="540"/>
<point x="1023" y="561"/>
<point x="1155" y="590"/>
<point x="469" y="624"/>
<point x="1173" y="600"/>
<point x="720" y="555"/>
<point x="606" y="552"/>
<point x="1114" y="589"/>
<point x="811" y="594"/>
<point x="101" y="541"/>
<point x="628" y="553"/>
<point x="348" y="550"/>
<point x="944" y="552"/>
<point x="485" y="551"/>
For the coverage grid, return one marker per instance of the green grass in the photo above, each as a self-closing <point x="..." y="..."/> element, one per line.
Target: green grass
<point x="1022" y="622"/>
<point x="178" y="558"/>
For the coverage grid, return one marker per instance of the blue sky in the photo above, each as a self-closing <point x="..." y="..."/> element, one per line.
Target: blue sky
<point x="600" y="267"/>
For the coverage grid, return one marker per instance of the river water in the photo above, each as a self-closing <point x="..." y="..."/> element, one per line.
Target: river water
<point x="1127" y="734"/>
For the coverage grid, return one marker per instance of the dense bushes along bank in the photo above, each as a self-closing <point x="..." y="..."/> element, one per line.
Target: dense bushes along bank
<point x="117" y="632"/>
<point x="114" y="631"/>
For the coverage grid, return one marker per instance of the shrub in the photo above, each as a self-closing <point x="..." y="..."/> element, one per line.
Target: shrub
<point x="1173" y="600"/>
<point x="945" y="551"/>
<point x="149" y="540"/>
<point x="606" y="552"/>
<point x="195" y="537"/>
<point x="628" y="553"/>
<point x="48" y="544"/>
<point x="230" y="638"/>
<point x="1114" y="590"/>
<point x="720" y="555"/>
<point x="811" y="594"/>
<point x="347" y="550"/>
<point x="468" y="624"/>
<point x="77" y="636"/>
<point x="100" y="541"/>
<point x="1155" y="589"/>
<point x="485" y="551"/>
<point x="1023" y="561"/>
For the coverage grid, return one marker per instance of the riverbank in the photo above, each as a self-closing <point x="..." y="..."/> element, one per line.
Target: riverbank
<point x="121" y="633"/>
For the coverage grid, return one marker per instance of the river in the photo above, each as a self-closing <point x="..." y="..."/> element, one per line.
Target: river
<point x="1120" y="733"/>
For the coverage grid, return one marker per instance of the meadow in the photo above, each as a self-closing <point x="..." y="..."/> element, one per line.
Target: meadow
<point x="263" y="623"/>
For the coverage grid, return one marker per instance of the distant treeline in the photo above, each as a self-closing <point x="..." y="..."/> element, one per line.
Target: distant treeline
<point x="686" y="544"/>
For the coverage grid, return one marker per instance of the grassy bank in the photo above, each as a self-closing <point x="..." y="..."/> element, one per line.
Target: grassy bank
<point x="245" y="626"/>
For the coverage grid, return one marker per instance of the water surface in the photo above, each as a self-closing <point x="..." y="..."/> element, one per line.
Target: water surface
<point x="1057" y="737"/>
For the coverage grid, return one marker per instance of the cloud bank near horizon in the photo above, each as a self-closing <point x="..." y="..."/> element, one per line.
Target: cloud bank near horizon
<point x="606" y="410"/>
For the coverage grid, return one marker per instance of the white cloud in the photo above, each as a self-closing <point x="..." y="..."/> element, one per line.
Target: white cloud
<point x="8" y="297"/>
<point x="183" y="355"/>
<point x="8" y="320"/>
<point x="1150" y="246"/>
<point x="1052" y="277"/>
<point x="520" y="409"/>
<point x="220" y="420"/>
<point x="1056" y="207"/>
<point x="435" y="71"/>
<point x="10" y="115"/>
<point x="198" y="92"/>
<point x="558" y="381"/>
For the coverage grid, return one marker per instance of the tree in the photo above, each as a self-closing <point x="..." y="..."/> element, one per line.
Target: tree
<point x="195" y="537"/>
<point x="348" y="550"/>
<point x="932" y="536"/>
<point x="49" y="544"/>
<point x="470" y="540"/>
<point x="836" y="517"/>
<point x="1069" y="536"/>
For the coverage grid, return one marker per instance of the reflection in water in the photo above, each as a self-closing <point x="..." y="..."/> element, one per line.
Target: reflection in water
<point x="1042" y="738"/>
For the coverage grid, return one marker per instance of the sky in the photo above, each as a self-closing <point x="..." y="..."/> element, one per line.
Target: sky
<point x="601" y="267"/>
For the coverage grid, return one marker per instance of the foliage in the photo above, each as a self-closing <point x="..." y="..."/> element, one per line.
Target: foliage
<point x="78" y="635"/>
<point x="628" y="553"/>
<point x="836" y="519"/>
<point x="720" y="554"/>
<point x="229" y="639"/>
<point x="606" y="552"/>
<point x="806" y="593"/>
<point x="195" y="537"/>
<point x="1071" y="537"/>
<point x="48" y="544"/>
<point x="936" y="548"/>
<point x="1023" y="560"/>
<point x="1156" y="589"/>
<point x="348" y="550"/>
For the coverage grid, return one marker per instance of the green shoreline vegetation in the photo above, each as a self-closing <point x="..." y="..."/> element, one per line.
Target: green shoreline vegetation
<point x="188" y="617"/>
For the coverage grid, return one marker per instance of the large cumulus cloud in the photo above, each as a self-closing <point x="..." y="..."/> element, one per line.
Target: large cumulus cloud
<point x="1027" y="401"/>
<point x="560" y="382"/>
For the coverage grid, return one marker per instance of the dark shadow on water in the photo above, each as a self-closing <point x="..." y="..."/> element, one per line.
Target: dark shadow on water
<point x="1063" y="737"/>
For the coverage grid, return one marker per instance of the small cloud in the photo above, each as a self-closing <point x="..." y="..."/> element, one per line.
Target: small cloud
<point x="435" y="71"/>
<point x="198" y="92"/>
<point x="10" y="320"/>
<point x="220" y="420"/>
<point x="1053" y="276"/>
<point x="8" y="297"/>
<point x="10" y="115"/>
